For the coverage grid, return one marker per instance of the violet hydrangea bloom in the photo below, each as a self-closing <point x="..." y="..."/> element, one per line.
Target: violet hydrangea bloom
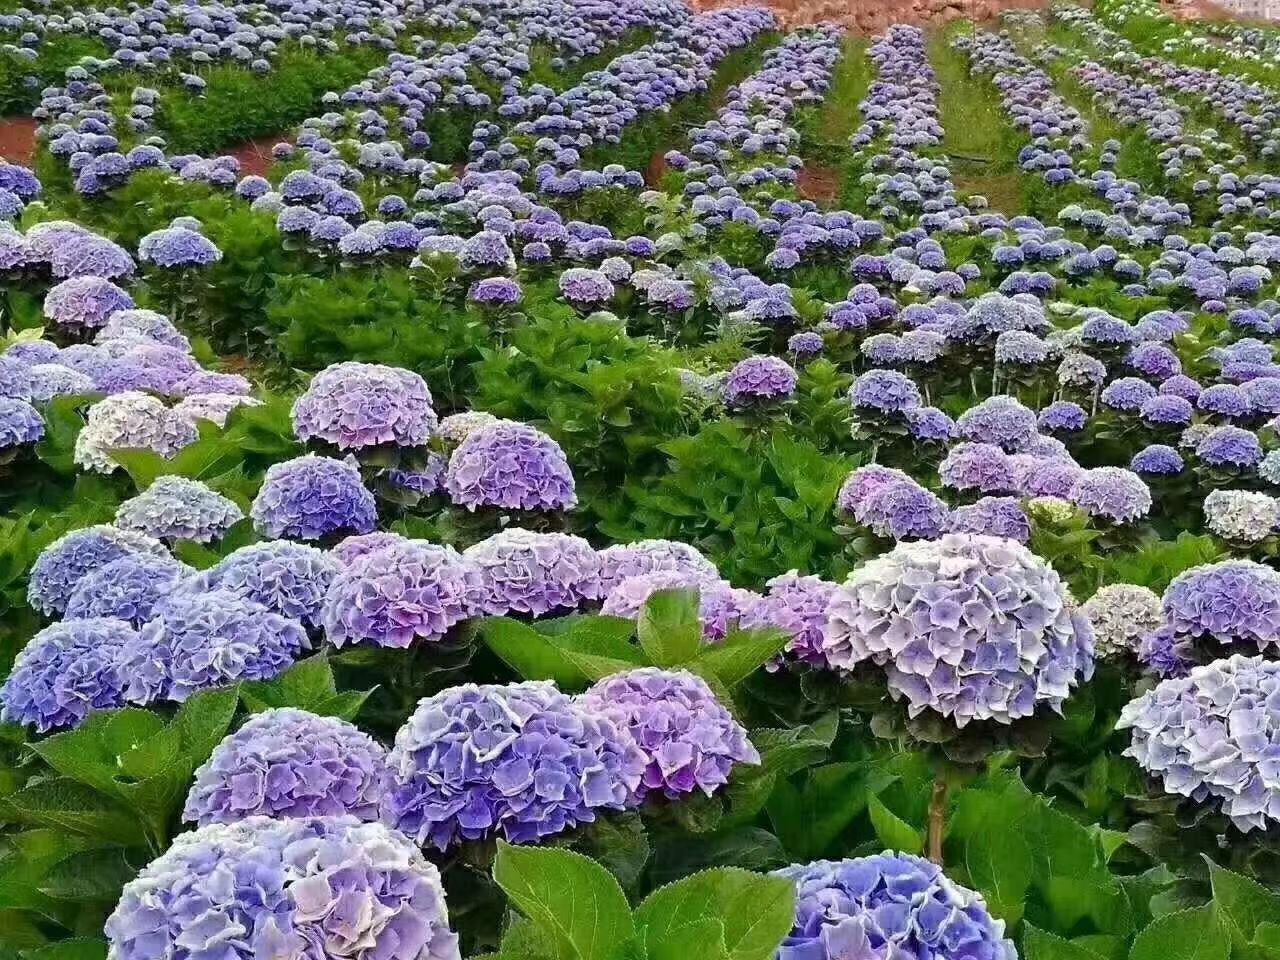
<point x="311" y="497"/>
<point x="624" y="560"/>
<point x="1114" y="493"/>
<point x="863" y="482"/>
<point x="205" y="640"/>
<point x="20" y="424"/>
<point x="128" y="588"/>
<point x="356" y="405"/>
<point x="760" y="380"/>
<point x="689" y="740"/>
<point x="997" y="516"/>
<point x="65" y="671"/>
<point x="289" y="763"/>
<point x="888" y="907"/>
<point x="61" y="565"/>
<point x="983" y="467"/>
<point x="400" y="592"/>
<point x="355" y="548"/>
<point x="1208" y="736"/>
<point x="291" y="579"/>
<point x="521" y="760"/>
<point x="322" y="886"/>
<point x="512" y="466"/>
<point x="124" y="324"/>
<point x="999" y="420"/>
<point x="522" y="571"/>
<point x="972" y="627"/>
<point x="1231" y="602"/>
<point x="796" y="605"/>
<point x="585" y="288"/>
<point x="884" y="391"/>
<point x="85" y="303"/>
<point x="178" y="508"/>
<point x="176" y="248"/>
<point x="903" y="510"/>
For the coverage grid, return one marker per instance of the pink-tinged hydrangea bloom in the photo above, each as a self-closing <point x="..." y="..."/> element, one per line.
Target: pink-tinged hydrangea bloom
<point x="511" y="466"/>
<point x="972" y="627"/>
<point x="178" y="508"/>
<point x="796" y="605"/>
<point x="721" y="606"/>
<point x="353" y="549"/>
<point x="85" y="303"/>
<point x="356" y="405"/>
<point x="624" y="560"/>
<point x="289" y="763"/>
<point x="128" y="588"/>
<point x="61" y="565"/>
<point x="311" y="497"/>
<point x="200" y="641"/>
<point x="522" y="571"/>
<point x="130" y="421"/>
<point x="65" y="671"/>
<point x="1210" y="735"/>
<point x="689" y="740"/>
<point x="292" y="579"/>
<point x="891" y="906"/>
<point x="322" y="887"/>
<point x="522" y="761"/>
<point x="407" y="590"/>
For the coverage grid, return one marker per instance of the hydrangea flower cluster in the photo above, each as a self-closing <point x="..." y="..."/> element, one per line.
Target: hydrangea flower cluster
<point x="128" y="588"/>
<point x="291" y="579"/>
<point x="796" y="605"/>
<point x="1122" y="614"/>
<point x="1235" y="601"/>
<point x="525" y="572"/>
<point x="510" y="466"/>
<point x="357" y="405"/>
<point x="62" y="564"/>
<point x="972" y="627"/>
<point x="130" y="421"/>
<point x="289" y="763"/>
<point x="313" y="497"/>
<point x="176" y="508"/>
<point x="624" y="560"/>
<point x="520" y="760"/>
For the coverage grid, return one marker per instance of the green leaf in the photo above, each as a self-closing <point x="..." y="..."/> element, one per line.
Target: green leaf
<point x="754" y="911"/>
<point x="1194" y="934"/>
<point x="1000" y="866"/>
<point x="96" y="875"/>
<point x="808" y="817"/>
<point x="1241" y="901"/>
<point x="69" y="805"/>
<point x="620" y="844"/>
<point x="894" y="832"/>
<point x="1040" y="945"/>
<point x="531" y="654"/>
<point x="76" y="948"/>
<point x="668" y="627"/>
<point x="203" y="720"/>
<point x="739" y="655"/>
<point x="577" y="903"/>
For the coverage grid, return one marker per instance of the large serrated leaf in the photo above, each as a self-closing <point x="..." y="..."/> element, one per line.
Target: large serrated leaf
<point x="754" y="912"/>
<point x="1195" y="934"/>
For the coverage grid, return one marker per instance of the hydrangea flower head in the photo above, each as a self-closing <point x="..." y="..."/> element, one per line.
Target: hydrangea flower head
<point x="521" y="760"/>
<point x="20" y="424"/>
<point x="1232" y="601"/>
<point x="884" y="391"/>
<point x="130" y="421"/>
<point x="291" y="579"/>
<point x="178" y="508"/>
<point x="289" y="763"/>
<point x="1113" y="493"/>
<point x="85" y="303"/>
<point x="689" y="740"/>
<point x="175" y="248"/>
<point x="759" y="380"/>
<point x="522" y="571"/>
<point x="796" y="605"/>
<point x="624" y="560"/>
<point x="1122" y="614"/>
<point x="312" y="497"/>
<point x="998" y="420"/>
<point x="972" y="627"/>
<point x="512" y="466"/>
<point x="62" y="564"/>
<point x="355" y="405"/>
<point x="1241" y="516"/>
<point x="128" y="588"/>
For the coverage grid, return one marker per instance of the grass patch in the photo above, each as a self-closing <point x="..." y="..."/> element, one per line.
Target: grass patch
<point x="825" y="129"/>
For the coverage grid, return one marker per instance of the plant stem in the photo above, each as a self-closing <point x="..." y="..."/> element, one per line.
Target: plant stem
<point x="937" y="818"/>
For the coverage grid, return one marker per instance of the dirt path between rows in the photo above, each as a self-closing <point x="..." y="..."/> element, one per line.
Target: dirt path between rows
<point x="18" y="140"/>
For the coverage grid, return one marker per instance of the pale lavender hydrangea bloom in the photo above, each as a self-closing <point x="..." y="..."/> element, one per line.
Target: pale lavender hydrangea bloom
<point x="65" y="671"/>
<point x="289" y="763"/>
<point x="892" y="906"/>
<point x="458" y="426"/>
<point x="1232" y="601"/>
<point x="128" y="588"/>
<point x="512" y="466"/>
<point x="796" y="605"/>
<point x="972" y="627"/>
<point x="1209" y="736"/>
<point x="996" y="516"/>
<point x="864" y="482"/>
<point x="353" y="549"/>
<point x="1114" y="493"/>
<point x="977" y="466"/>
<point x="400" y="592"/>
<point x="130" y="421"/>
<point x="998" y="420"/>
<point x="689" y="740"/>
<point x="198" y="641"/>
<point x="1122" y="614"/>
<point x="884" y="391"/>
<point x="356" y="405"/>
<point x="522" y="761"/>
<point x="20" y="424"/>
<point x="85" y="303"/>
<point x="311" y="497"/>
<point x="1241" y="516"/>
<point x="624" y="560"/>
<point x="585" y="288"/>
<point x="49" y="380"/>
<point x="178" y="508"/>
<point x="214" y="407"/>
<point x="526" y="572"/>
<point x="61" y="565"/>
<point x="143" y="323"/>
<point x="291" y="579"/>
<point x="316" y="886"/>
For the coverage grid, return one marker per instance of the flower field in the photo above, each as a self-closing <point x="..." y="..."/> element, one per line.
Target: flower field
<point x="587" y="480"/>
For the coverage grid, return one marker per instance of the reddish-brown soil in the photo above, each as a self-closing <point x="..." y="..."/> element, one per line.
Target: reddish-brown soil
<point x="817" y="183"/>
<point x="255" y="155"/>
<point x="18" y="140"/>
<point x="657" y="170"/>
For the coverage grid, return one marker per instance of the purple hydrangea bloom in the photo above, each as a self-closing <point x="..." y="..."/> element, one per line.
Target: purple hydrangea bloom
<point x="495" y="292"/>
<point x="20" y="424"/>
<point x="125" y="324"/>
<point x="720" y="605"/>
<point x="884" y="391"/>
<point x="972" y="627"/>
<point x="177" y="508"/>
<point x="15" y="378"/>
<point x="796" y="605"/>
<point x="65" y="671"/>
<point x="128" y="588"/>
<point x="1181" y="385"/>
<point x="1127" y="393"/>
<point x="977" y="466"/>
<point x="510" y="465"/>
<point x="903" y="510"/>
<point x="1167" y="410"/>
<point x="998" y="420"/>
<point x="624" y="560"/>
<point x="535" y="573"/>
<point x="1207" y="736"/>
<point x="1113" y="493"/>
<point x="887" y="907"/>
<point x="805" y="345"/>
<point x="863" y="483"/>
<point x="1226" y="400"/>
<point x="1044" y="477"/>
<point x="585" y="288"/>
<point x="1232" y="601"/>
<point x="522" y="760"/>
<point x="289" y="763"/>
<point x="929" y="424"/>
<point x="997" y="516"/>
<point x="61" y="565"/>
<point x="1229" y="447"/>
<point x="312" y="497"/>
<point x="85" y="303"/>
<point x="355" y="405"/>
<point x="400" y="592"/>
<point x="1157" y="460"/>
<point x="690" y="742"/>
<point x="291" y="579"/>
<point x="285" y="887"/>
<point x="175" y="248"/>
<point x="198" y="641"/>
<point x="352" y="549"/>
<point x="759" y="380"/>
